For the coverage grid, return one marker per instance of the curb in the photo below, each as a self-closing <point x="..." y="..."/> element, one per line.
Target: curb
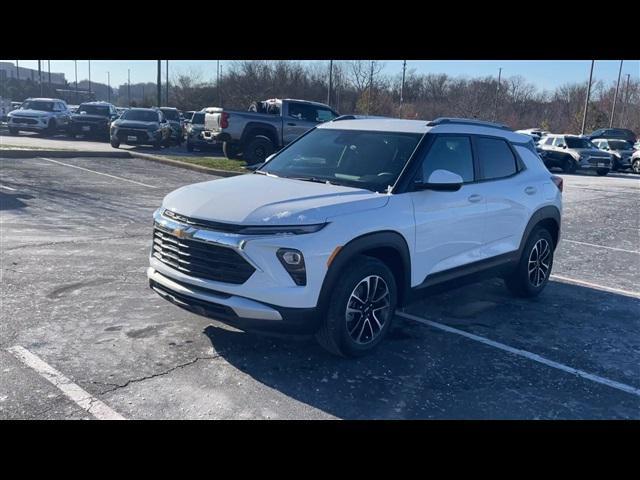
<point x="115" y="154"/>
<point x="188" y="166"/>
<point x="60" y="153"/>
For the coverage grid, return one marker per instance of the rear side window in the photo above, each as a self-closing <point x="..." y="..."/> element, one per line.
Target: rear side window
<point x="449" y="153"/>
<point x="496" y="158"/>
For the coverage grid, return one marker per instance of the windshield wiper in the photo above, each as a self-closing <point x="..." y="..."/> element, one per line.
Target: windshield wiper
<point x="312" y="179"/>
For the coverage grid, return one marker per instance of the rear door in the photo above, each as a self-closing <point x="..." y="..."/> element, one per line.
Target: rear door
<point x="508" y="191"/>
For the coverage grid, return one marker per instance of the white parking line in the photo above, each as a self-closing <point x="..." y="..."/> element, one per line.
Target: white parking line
<point x="81" y="397"/>
<point x="600" y="246"/>
<point x="582" y="283"/>
<point x="99" y="173"/>
<point x="523" y="353"/>
<point x="8" y="188"/>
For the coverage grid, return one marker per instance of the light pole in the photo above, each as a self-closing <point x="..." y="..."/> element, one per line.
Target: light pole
<point x="218" y="83"/>
<point x="586" y="103"/>
<point x="129" y="86"/>
<point x="167" y="82"/>
<point x="109" y="87"/>
<point x="75" y="63"/>
<point x="624" y="105"/>
<point x="330" y="82"/>
<point x="495" y="112"/>
<point x="49" y="70"/>
<point x="40" y="77"/>
<point x="370" y="89"/>
<point x="159" y="86"/>
<point x="615" y="96"/>
<point x="17" y="71"/>
<point x="404" y="70"/>
<point x="89" y="75"/>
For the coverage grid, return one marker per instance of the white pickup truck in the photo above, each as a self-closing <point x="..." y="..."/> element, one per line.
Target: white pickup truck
<point x="266" y="127"/>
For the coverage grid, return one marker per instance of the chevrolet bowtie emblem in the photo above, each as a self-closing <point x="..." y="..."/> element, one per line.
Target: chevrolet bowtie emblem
<point x="180" y="233"/>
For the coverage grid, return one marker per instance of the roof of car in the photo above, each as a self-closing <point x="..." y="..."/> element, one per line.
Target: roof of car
<point x="386" y="124"/>
<point x="95" y="103"/>
<point x="43" y="99"/>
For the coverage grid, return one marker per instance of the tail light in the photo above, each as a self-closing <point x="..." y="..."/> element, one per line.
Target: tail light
<point x="558" y="181"/>
<point x="224" y="120"/>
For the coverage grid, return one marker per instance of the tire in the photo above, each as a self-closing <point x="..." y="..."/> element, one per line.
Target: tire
<point x="51" y="128"/>
<point x="189" y="147"/>
<point x="525" y="283"/>
<point x="157" y="144"/>
<point x="568" y="165"/>
<point x="230" y="150"/>
<point x="257" y="150"/>
<point x="635" y="167"/>
<point x="602" y="171"/>
<point x="14" y="131"/>
<point x="115" y="143"/>
<point x="334" y="333"/>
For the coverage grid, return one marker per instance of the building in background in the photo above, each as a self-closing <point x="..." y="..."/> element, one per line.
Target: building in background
<point x="8" y="71"/>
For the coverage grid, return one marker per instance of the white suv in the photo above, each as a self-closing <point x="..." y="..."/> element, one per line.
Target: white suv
<point x="348" y="222"/>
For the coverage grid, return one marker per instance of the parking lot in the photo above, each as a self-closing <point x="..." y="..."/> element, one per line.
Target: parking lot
<point x="75" y="236"/>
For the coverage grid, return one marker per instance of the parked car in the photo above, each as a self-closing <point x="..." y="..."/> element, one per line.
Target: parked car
<point x="535" y="133"/>
<point x="44" y="115"/>
<point x="620" y="150"/>
<point x="266" y="127"/>
<point x="141" y="126"/>
<point x="93" y="119"/>
<point x="73" y="108"/>
<point x="175" y="122"/>
<point x="198" y="137"/>
<point x="186" y="116"/>
<point x="635" y="161"/>
<point x="620" y="133"/>
<point x="570" y="153"/>
<point x="348" y="222"/>
<point x="121" y="110"/>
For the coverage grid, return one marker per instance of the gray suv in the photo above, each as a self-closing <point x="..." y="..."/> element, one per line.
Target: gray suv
<point x="571" y="153"/>
<point x="44" y="115"/>
<point x="620" y="150"/>
<point x="141" y="126"/>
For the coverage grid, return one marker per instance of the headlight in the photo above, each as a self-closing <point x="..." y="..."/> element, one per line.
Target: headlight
<point x="293" y="262"/>
<point x="283" y="230"/>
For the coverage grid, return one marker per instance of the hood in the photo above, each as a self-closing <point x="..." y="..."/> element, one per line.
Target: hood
<point x="255" y="199"/>
<point x="134" y="124"/>
<point x="29" y="113"/>
<point x="86" y="116"/>
<point x="592" y="152"/>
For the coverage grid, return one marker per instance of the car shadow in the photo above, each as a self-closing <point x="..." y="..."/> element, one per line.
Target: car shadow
<point x="13" y="201"/>
<point x="423" y="372"/>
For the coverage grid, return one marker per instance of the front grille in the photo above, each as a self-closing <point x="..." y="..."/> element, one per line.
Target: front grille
<point x="596" y="160"/>
<point x="30" y="121"/>
<point x="123" y="133"/>
<point x="200" y="259"/>
<point x="211" y="225"/>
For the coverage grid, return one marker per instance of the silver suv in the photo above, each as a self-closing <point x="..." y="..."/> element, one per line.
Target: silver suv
<point x="620" y="150"/>
<point x="45" y="115"/>
<point x="570" y="153"/>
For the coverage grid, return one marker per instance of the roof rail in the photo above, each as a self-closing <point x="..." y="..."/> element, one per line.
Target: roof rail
<point x="466" y="121"/>
<point x="356" y="117"/>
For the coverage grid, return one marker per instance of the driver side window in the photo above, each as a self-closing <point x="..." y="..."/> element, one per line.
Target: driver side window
<point x="451" y="153"/>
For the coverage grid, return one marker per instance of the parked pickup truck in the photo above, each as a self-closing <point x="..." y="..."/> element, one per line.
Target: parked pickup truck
<point x="268" y="126"/>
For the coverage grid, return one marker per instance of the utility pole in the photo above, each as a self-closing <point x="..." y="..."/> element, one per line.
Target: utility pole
<point x="586" y="103"/>
<point x="167" y="82"/>
<point x="404" y="70"/>
<point x="49" y="69"/>
<point x="142" y="104"/>
<point x="624" y="105"/>
<point x="495" y="112"/>
<point x="218" y="80"/>
<point x="159" y="81"/>
<point x="129" y="86"/>
<point x="615" y="96"/>
<point x="109" y="87"/>
<point x="330" y="82"/>
<point x="370" y="88"/>
<point x="75" y="63"/>
<point x="89" y="75"/>
<point x="40" y="77"/>
<point x="17" y="71"/>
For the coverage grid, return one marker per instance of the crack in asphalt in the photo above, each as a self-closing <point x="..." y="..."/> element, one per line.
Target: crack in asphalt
<point x="117" y="386"/>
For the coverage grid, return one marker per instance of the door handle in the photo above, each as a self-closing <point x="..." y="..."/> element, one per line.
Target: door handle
<point x="530" y="190"/>
<point x="291" y="124"/>
<point x="475" y="198"/>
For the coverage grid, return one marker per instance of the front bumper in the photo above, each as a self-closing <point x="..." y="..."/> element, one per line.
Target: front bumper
<point x="89" y="128"/>
<point x="136" y="137"/>
<point x="32" y="124"/>
<point x="233" y="310"/>
<point x="594" y="163"/>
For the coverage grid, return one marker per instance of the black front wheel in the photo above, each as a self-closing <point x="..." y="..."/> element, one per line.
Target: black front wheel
<point x="534" y="268"/>
<point x="602" y="171"/>
<point x="14" y="131"/>
<point x="230" y="150"/>
<point x="115" y="143"/>
<point x="568" y="165"/>
<point x="636" y="166"/>
<point x="360" y="309"/>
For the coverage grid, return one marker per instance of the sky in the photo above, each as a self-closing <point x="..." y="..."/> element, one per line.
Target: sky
<point x="544" y="74"/>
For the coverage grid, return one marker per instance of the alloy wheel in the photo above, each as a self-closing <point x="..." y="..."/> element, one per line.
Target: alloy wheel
<point x="368" y="309"/>
<point x="539" y="262"/>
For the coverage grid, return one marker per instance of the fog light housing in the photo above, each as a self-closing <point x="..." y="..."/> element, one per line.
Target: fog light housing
<point x="293" y="262"/>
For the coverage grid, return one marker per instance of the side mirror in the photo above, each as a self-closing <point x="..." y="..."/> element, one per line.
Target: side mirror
<point x="442" y="181"/>
<point x="564" y="146"/>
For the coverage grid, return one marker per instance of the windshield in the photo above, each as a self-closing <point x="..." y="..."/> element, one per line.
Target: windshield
<point x="361" y="159"/>
<point x="171" y="114"/>
<point x="94" y="110"/>
<point x="141" y="115"/>
<point x="198" y="119"/>
<point x="619" y="145"/>
<point x="575" y="142"/>
<point x="38" y="105"/>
